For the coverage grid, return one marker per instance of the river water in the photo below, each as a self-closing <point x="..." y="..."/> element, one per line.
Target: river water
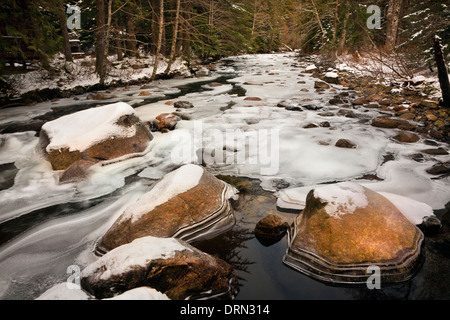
<point x="46" y="227"/>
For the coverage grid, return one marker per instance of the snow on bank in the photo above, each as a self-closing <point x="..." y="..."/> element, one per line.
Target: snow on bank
<point x="81" y="72"/>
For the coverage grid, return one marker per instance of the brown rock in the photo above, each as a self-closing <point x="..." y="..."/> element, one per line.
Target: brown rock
<point x="384" y="122"/>
<point x="252" y="99"/>
<point x="144" y="94"/>
<point x="321" y="85"/>
<point x="167" y="121"/>
<point x="335" y="241"/>
<point x="270" y="229"/>
<point x="202" y="209"/>
<point x="430" y="104"/>
<point x="344" y="143"/>
<point x="408" y="116"/>
<point x="183" y="105"/>
<point x="436" y="152"/>
<point x="107" y="149"/>
<point x="407" y="137"/>
<point x="170" y="266"/>
<point x="77" y="171"/>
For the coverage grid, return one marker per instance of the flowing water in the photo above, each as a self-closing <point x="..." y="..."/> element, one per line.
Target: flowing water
<point x="46" y="227"/>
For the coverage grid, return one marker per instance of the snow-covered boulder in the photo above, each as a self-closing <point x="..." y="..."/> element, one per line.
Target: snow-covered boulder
<point x="187" y="203"/>
<point x="345" y="228"/>
<point x="95" y="134"/>
<point x="168" y="265"/>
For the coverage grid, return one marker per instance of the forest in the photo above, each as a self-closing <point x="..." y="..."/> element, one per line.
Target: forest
<point x="211" y="29"/>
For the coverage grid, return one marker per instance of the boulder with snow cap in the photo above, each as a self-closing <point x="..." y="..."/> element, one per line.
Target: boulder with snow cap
<point x="188" y="203"/>
<point x="345" y="228"/>
<point x="168" y="265"/>
<point x="95" y="134"/>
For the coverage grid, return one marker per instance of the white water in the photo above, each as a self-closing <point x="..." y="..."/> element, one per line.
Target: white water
<point x="38" y="258"/>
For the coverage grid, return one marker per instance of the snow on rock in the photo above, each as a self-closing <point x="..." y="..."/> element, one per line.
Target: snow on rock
<point x="188" y="203"/>
<point x="342" y="198"/>
<point x="83" y="129"/>
<point x="98" y="134"/>
<point x="168" y="265"/>
<point x="349" y="196"/>
<point x="173" y="184"/>
<point x="136" y="254"/>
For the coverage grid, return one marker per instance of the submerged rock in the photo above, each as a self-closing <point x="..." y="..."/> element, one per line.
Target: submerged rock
<point x="167" y="265"/>
<point x="345" y="228"/>
<point x="96" y="134"/>
<point x="188" y="203"/>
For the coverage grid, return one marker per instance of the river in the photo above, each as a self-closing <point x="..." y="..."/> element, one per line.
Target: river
<point x="45" y="227"/>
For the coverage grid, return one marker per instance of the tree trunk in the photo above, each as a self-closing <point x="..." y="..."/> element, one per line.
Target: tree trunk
<point x="318" y="18"/>
<point x="344" y="29"/>
<point x="131" y="42"/>
<point x="160" y="36"/>
<point x="442" y="72"/>
<point x="118" y="39"/>
<point x="156" y="28"/>
<point x="393" y="19"/>
<point x="100" y="61"/>
<point x="174" y="38"/>
<point x="65" y="33"/>
<point x="187" y="31"/>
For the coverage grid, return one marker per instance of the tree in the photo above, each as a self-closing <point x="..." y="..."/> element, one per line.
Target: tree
<point x="442" y="71"/>
<point x="100" y="42"/>
<point x="173" y="49"/>
<point x="159" y="39"/>
<point x="393" y="20"/>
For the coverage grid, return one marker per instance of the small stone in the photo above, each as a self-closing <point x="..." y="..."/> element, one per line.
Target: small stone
<point x="439" y="169"/>
<point x="430" y="104"/>
<point x="321" y="85"/>
<point x="435" y="152"/>
<point x="430" y="225"/>
<point x="183" y="105"/>
<point x="252" y="99"/>
<point x="407" y="137"/>
<point x="270" y="229"/>
<point x="344" y="143"/>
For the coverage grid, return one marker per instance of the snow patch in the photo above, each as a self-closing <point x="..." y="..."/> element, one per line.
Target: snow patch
<point x="142" y="293"/>
<point x="342" y="198"/>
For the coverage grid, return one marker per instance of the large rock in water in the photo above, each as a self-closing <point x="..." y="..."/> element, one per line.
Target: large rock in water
<point x="167" y="265"/>
<point x="187" y="203"/>
<point x="95" y="134"/>
<point x="344" y="229"/>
